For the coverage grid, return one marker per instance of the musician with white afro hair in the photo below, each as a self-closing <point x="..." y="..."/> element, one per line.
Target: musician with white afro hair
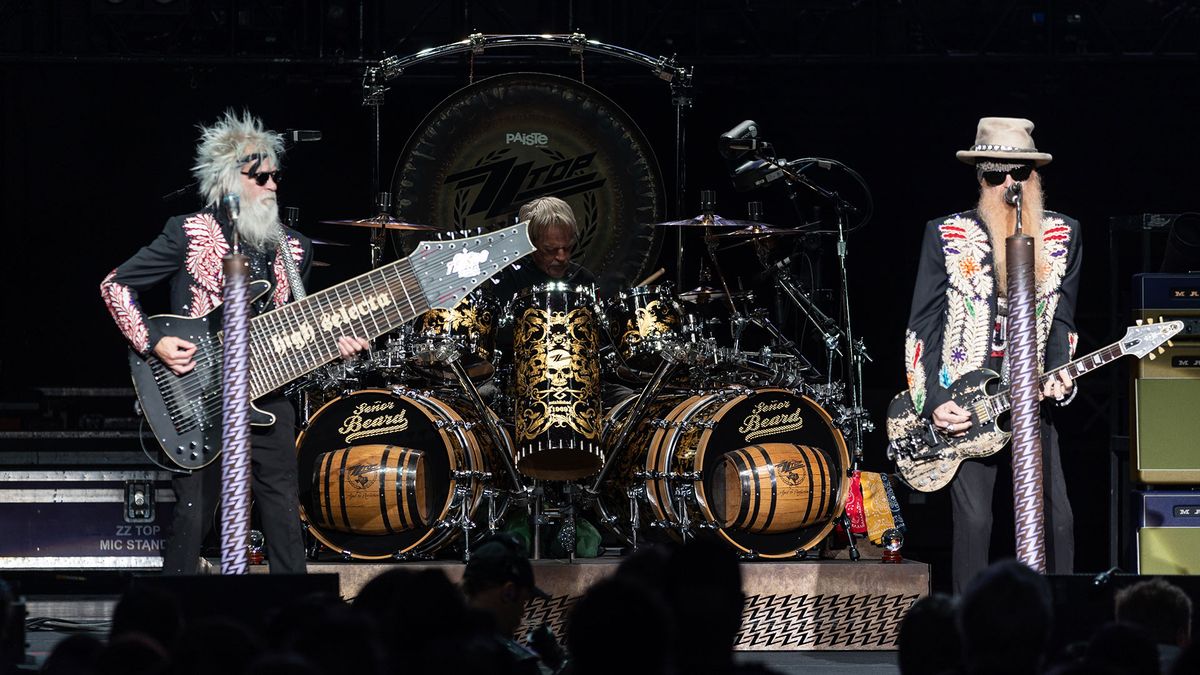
<point x="235" y="156"/>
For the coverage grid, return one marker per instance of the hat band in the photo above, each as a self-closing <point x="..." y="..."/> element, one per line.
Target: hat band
<point x="1001" y="148"/>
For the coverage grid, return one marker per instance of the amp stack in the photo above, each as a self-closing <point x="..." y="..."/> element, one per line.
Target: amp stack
<point x="1165" y="429"/>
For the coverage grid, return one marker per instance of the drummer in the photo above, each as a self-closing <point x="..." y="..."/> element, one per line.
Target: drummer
<point x="553" y="230"/>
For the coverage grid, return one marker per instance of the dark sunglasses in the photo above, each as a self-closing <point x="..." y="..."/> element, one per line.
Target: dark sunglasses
<point x="995" y="178"/>
<point x="261" y="178"/>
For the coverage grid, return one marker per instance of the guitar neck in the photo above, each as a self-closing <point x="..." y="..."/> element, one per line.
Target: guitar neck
<point x="296" y="339"/>
<point x="1080" y="366"/>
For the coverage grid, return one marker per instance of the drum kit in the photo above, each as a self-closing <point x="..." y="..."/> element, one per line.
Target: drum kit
<point x="638" y="407"/>
<point x="447" y="428"/>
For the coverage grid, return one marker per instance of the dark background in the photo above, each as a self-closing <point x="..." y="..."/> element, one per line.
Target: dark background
<point x="99" y="102"/>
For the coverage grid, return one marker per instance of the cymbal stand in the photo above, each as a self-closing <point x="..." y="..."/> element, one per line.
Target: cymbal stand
<point x="673" y="356"/>
<point x="447" y="354"/>
<point x="383" y="202"/>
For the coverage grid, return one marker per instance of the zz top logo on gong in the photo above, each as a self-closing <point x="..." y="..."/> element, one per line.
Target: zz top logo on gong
<point x="506" y="183"/>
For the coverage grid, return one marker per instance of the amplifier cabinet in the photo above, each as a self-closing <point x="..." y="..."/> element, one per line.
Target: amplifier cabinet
<point x="1165" y="411"/>
<point x="76" y="519"/>
<point x="1168" y="540"/>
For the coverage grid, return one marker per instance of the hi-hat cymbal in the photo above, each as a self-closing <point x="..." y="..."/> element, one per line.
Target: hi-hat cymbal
<point x="702" y="294"/>
<point x="710" y="220"/>
<point x="382" y="221"/>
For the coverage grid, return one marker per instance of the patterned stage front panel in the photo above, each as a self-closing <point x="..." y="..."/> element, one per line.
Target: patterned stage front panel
<point x="790" y="606"/>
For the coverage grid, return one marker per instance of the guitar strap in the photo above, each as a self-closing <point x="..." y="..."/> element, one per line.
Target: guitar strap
<point x="289" y="265"/>
<point x="1000" y="336"/>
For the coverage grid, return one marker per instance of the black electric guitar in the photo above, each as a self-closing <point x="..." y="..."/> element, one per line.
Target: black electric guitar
<point x="927" y="458"/>
<point x="184" y="411"/>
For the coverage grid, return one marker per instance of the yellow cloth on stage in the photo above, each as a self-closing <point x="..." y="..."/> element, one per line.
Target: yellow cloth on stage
<point x="876" y="506"/>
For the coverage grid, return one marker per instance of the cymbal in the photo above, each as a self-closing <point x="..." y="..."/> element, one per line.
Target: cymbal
<point x="756" y="230"/>
<point x="320" y="263"/>
<point x="383" y="221"/>
<point x="324" y="242"/>
<point x="702" y="294"/>
<point x="710" y="220"/>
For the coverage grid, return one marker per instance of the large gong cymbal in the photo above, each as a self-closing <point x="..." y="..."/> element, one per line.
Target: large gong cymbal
<point x="498" y="143"/>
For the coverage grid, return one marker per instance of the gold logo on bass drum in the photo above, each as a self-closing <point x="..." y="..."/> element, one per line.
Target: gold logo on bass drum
<point x="771" y="417"/>
<point x="373" y="419"/>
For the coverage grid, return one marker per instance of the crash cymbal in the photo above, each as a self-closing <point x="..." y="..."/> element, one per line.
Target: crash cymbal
<point x="752" y="231"/>
<point x="383" y="221"/>
<point x="710" y="220"/>
<point x="323" y="242"/>
<point x="702" y="294"/>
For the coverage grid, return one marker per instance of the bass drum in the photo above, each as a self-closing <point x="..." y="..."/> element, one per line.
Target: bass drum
<point x="390" y="475"/>
<point x="763" y="469"/>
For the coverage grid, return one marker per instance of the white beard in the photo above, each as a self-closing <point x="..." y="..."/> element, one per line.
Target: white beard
<point x="258" y="223"/>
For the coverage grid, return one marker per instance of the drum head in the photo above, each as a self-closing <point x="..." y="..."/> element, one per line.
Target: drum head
<point x="500" y="142"/>
<point x="378" y="417"/>
<point x="774" y="416"/>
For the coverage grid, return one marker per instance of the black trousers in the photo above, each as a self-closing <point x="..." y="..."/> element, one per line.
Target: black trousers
<point x="971" y="504"/>
<point x="275" y="488"/>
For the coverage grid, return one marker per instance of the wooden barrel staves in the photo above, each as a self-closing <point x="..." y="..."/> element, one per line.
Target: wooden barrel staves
<point x="772" y="488"/>
<point x="370" y="489"/>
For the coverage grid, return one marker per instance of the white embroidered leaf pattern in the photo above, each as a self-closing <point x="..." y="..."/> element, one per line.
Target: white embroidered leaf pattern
<point x="965" y="246"/>
<point x="129" y="319"/>
<point x="206" y="248"/>
<point x="914" y="349"/>
<point x="1056" y="238"/>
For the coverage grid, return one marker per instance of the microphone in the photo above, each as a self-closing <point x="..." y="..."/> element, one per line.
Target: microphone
<point x="741" y="139"/>
<point x="776" y="267"/>
<point x="233" y="207"/>
<point x="1012" y="194"/>
<point x="302" y="135"/>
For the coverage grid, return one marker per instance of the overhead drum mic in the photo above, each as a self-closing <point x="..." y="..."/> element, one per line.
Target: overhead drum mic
<point x="739" y="140"/>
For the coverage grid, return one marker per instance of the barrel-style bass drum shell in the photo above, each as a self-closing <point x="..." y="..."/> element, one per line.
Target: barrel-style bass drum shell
<point x="763" y="469"/>
<point x="380" y="472"/>
<point x="557" y="410"/>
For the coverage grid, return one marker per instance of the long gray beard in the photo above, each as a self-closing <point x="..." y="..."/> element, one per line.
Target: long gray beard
<point x="1001" y="221"/>
<point x="258" y="224"/>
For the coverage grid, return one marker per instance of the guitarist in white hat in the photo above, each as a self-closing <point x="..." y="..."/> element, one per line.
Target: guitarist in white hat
<point x="957" y="325"/>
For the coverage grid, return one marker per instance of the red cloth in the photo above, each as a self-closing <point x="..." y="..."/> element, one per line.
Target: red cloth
<point x="854" y="506"/>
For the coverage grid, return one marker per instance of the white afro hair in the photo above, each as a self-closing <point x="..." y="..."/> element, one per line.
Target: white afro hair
<point x="228" y="145"/>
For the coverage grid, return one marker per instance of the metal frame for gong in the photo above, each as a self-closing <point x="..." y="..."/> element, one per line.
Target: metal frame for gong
<point x="678" y="77"/>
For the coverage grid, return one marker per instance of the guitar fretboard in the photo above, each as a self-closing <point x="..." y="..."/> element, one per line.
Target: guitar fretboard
<point x="301" y="336"/>
<point x="1002" y="402"/>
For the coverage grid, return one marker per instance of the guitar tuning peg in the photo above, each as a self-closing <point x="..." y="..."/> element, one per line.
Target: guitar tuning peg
<point x="1170" y="344"/>
<point x="1161" y="350"/>
<point x="1138" y="322"/>
<point x="1160" y="319"/>
<point x="1153" y="356"/>
<point x="1149" y="321"/>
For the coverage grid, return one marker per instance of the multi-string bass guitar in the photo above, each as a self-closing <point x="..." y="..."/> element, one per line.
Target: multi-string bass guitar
<point x="184" y="411"/>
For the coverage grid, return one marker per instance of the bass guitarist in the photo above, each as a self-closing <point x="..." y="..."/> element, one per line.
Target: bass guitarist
<point x="957" y="325"/>
<point x="235" y="156"/>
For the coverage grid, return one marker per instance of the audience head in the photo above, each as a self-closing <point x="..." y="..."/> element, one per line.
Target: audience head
<point x="1124" y="649"/>
<point x="620" y="625"/>
<point x="498" y="580"/>
<point x="704" y="589"/>
<point x="1005" y="618"/>
<point x="148" y="610"/>
<point x="1160" y="608"/>
<point x="74" y="655"/>
<point x="928" y="640"/>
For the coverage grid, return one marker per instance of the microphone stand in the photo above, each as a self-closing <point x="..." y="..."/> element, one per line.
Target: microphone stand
<point x="855" y="351"/>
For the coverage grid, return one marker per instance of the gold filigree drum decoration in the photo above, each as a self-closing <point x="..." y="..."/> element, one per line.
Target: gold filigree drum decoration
<point x="470" y="326"/>
<point x="557" y="376"/>
<point x="642" y="320"/>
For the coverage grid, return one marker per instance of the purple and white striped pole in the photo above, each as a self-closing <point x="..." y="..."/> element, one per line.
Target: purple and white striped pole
<point x="1028" y="502"/>
<point x="235" y="409"/>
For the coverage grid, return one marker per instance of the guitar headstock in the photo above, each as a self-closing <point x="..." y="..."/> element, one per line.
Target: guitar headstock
<point x="448" y="270"/>
<point x="1144" y="338"/>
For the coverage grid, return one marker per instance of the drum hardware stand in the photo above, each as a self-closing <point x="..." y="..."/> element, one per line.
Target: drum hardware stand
<point x="845" y="523"/>
<point x="447" y="354"/>
<point x="565" y="515"/>
<point x="673" y="356"/>
<point x="383" y="202"/>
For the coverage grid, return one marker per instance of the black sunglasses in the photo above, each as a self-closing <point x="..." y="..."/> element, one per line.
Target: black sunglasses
<point x="995" y="178"/>
<point x="261" y="178"/>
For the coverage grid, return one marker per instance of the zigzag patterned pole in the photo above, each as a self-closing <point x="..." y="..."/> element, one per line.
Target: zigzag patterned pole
<point x="1028" y="504"/>
<point x="235" y="413"/>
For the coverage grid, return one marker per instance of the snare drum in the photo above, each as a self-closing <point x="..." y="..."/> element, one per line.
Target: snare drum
<point x="641" y="320"/>
<point x="764" y="469"/>
<point x="391" y="475"/>
<point x="557" y="382"/>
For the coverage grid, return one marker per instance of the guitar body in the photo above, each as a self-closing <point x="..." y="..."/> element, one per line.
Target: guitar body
<point x="926" y="459"/>
<point x="188" y="430"/>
